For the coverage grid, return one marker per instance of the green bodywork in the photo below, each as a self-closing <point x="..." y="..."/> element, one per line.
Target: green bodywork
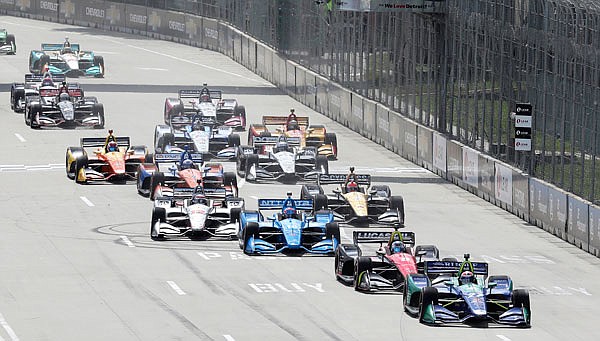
<point x="3" y="35"/>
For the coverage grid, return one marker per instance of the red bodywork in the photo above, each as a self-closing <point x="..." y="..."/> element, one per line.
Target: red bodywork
<point x="404" y="262"/>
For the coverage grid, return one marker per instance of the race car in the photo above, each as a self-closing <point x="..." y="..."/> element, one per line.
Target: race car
<point x="202" y="135"/>
<point x="208" y="103"/>
<point x="195" y="213"/>
<point x="354" y="202"/>
<point x="170" y="171"/>
<point x="297" y="126"/>
<point x="114" y="159"/>
<point x="66" y="59"/>
<point x="21" y="92"/>
<point x="8" y="44"/>
<point x="279" y="158"/>
<point x="388" y="268"/>
<point x="53" y="108"/>
<point x="290" y="230"/>
<point x="461" y="292"/>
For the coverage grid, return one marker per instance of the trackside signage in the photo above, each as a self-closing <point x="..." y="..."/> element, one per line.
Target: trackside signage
<point x="523" y="125"/>
<point x="423" y="6"/>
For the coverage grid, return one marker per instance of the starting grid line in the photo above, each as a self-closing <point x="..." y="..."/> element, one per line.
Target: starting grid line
<point x="24" y="168"/>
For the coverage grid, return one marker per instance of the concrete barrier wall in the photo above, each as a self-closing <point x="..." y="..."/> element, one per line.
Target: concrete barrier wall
<point x="562" y="214"/>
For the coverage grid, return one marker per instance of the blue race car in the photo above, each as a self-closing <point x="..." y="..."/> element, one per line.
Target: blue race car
<point x="289" y="230"/>
<point x="461" y="292"/>
<point x="66" y="59"/>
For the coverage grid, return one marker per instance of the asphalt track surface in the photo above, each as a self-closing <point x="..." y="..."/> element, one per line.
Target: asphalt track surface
<point x="76" y="262"/>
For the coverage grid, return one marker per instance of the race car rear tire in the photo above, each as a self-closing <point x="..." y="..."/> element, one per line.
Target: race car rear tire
<point x="322" y="164"/>
<point x="99" y="61"/>
<point x="168" y="139"/>
<point x="234" y="215"/>
<point x="361" y="264"/>
<point x="98" y="109"/>
<point x="265" y="134"/>
<point x="10" y="40"/>
<point x="240" y="110"/>
<point x="332" y="230"/>
<point x="80" y="163"/>
<point x="320" y="202"/>
<point x="229" y="179"/>
<point x="233" y="140"/>
<point x="156" y="179"/>
<point x="331" y="138"/>
<point x="251" y="160"/>
<point x="429" y="295"/>
<point x="397" y="203"/>
<point x="158" y="214"/>
<point x="382" y="190"/>
<point x="250" y="230"/>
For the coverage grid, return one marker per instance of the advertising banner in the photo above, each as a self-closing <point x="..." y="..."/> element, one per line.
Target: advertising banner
<point x="425" y="147"/>
<point x="383" y="126"/>
<point x="578" y="222"/>
<point x="503" y="186"/>
<point x="91" y="11"/>
<point x="557" y="209"/>
<point x="291" y="78"/>
<point x="175" y="25"/>
<point x="311" y="89"/>
<point x="156" y="21"/>
<point x="369" y="116"/>
<point x="8" y="5"/>
<point x="538" y="203"/>
<point x="346" y="108"/>
<point x="439" y="154"/>
<point x="454" y="161"/>
<point x="486" y="167"/>
<point x="396" y="131"/>
<point x="300" y="94"/>
<point x="409" y="149"/>
<point x="594" y="222"/>
<point x="471" y="167"/>
<point x="355" y="121"/>
<point x="520" y="203"/>
<point x="334" y="101"/>
<point x="210" y="34"/>
<point x="136" y="18"/>
<point x="252" y="51"/>
<point x="322" y="95"/>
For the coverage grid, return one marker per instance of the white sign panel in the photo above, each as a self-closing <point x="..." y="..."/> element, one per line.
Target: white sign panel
<point x="523" y="144"/>
<point x="471" y="167"/>
<point x="439" y="152"/>
<point x="523" y="121"/>
<point x="503" y="189"/>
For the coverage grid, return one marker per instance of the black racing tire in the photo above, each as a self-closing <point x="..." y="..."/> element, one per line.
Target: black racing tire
<point x="361" y="264"/>
<point x="320" y="202"/>
<point x="234" y="215"/>
<point x="322" y="164"/>
<point x="158" y="214"/>
<point x="520" y="299"/>
<point x="240" y="110"/>
<point x="80" y="163"/>
<point x="250" y="230"/>
<point x="382" y="189"/>
<point x="429" y="295"/>
<point x="149" y="158"/>
<point x="331" y="138"/>
<point x="240" y="163"/>
<point x="250" y="160"/>
<point x="229" y="179"/>
<point x="332" y="230"/>
<point x="99" y="61"/>
<point x="233" y="140"/>
<point x="98" y="109"/>
<point x="168" y="139"/>
<point x="265" y="134"/>
<point x="33" y="110"/>
<point x="156" y="179"/>
<point x="397" y="203"/>
<point x="10" y="40"/>
<point x="42" y="62"/>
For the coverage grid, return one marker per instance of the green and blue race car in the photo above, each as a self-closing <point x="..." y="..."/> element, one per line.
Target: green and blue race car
<point x="7" y="42"/>
<point x="66" y="59"/>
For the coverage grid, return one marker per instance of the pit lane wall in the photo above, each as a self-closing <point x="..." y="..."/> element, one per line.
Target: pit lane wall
<point x="562" y="214"/>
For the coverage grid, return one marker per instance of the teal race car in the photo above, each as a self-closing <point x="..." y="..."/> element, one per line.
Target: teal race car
<point x="66" y="59"/>
<point x="7" y="42"/>
<point x="461" y="292"/>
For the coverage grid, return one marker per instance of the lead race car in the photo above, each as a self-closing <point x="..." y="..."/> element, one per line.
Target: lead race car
<point x="195" y="212"/>
<point x="8" y="43"/>
<point x="279" y="158"/>
<point x="291" y="230"/>
<point x="354" y="202"/>
<point x="389" y="267"/>
<point x="208" y="103"/>
<point x="66" y="59"/>
<point x="293" y="126"/>
<point x="114" y="159"/>
<point x="461" y="292"/>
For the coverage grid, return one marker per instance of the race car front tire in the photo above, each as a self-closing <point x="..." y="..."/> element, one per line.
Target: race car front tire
<point x="99" y="61"/>
<point x="322" y="164"/>
<point x="250" y="230"/>
<point x="320" y="202"/>
<point x="34" y="109"/>
<point x="233" y="140"/>
<point x="361" y="265"/>
<point x="520" y="299"/>
<point x="397" y="203"/>
<point x="10" y="40"/>
<point x="98" y="109"/>
<point x="229" y="179"/>
<point x="429" y="295"/>
<point x="80" y="163"/>
<point x="331" y="138"/>
<point x="332" y="230"/>
<point x="234" y="215"/>
<point x="156" y="179"/>
<point x="158" y="214"/>
<point x="251" y="160"/>
<point x="240" y="111"/>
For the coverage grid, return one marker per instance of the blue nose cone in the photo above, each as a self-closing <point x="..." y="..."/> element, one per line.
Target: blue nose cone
<point x="292" y="231"/>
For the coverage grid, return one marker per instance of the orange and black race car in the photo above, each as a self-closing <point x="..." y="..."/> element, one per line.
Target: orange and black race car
<point x="297" y="126"/>
<point x="112" y="159"/>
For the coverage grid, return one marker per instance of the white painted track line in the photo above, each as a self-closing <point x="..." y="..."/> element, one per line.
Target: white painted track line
<point x="87" y="201"/>
<point x="9" y="330"/>
<point x="176" y="288"/>
<point x="503" y="338"/>
<point x="21" y="138"/>
<point x="127" y="241"/>
<point x="228" y="337"/>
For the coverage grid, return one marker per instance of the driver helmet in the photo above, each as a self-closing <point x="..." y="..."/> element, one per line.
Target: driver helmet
<point x="205" y="97"/>
<point x="112" y="147"/>
<point x="67" y="49"/>
<point x="466" y="277"/>
<point x="187" y="164"/>
<point x="198" y="199"/>
<point x="397" y="247"/>
<point x="293" y="125"/>
<point x="47" y="82"/>
<point x="289" y="212"/>
<point x="352" y="187"/>
<point x="281" y="146"/>
<point x="64" y="97"/>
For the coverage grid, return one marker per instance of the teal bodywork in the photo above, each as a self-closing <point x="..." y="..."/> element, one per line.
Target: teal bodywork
<point x="7" y="42"/>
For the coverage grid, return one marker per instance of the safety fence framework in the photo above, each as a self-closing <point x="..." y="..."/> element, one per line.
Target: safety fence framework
<point x="450" y="115"/>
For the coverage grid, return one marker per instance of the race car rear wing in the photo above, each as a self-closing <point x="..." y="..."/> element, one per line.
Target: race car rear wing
<point x="86" y="142"/>
<point x="326" y="179"/>
<point x="277" y="204"/>
<point x="369" y="236"/>
<point x="442" y="267"/>
<point x="58" y="47"/>
<point x="272" y="140"/>
<point x="281" y="120"/>
<point x="176" y="157"/>
<point x="195" y="93"/>
<point x="37" y="78"/>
